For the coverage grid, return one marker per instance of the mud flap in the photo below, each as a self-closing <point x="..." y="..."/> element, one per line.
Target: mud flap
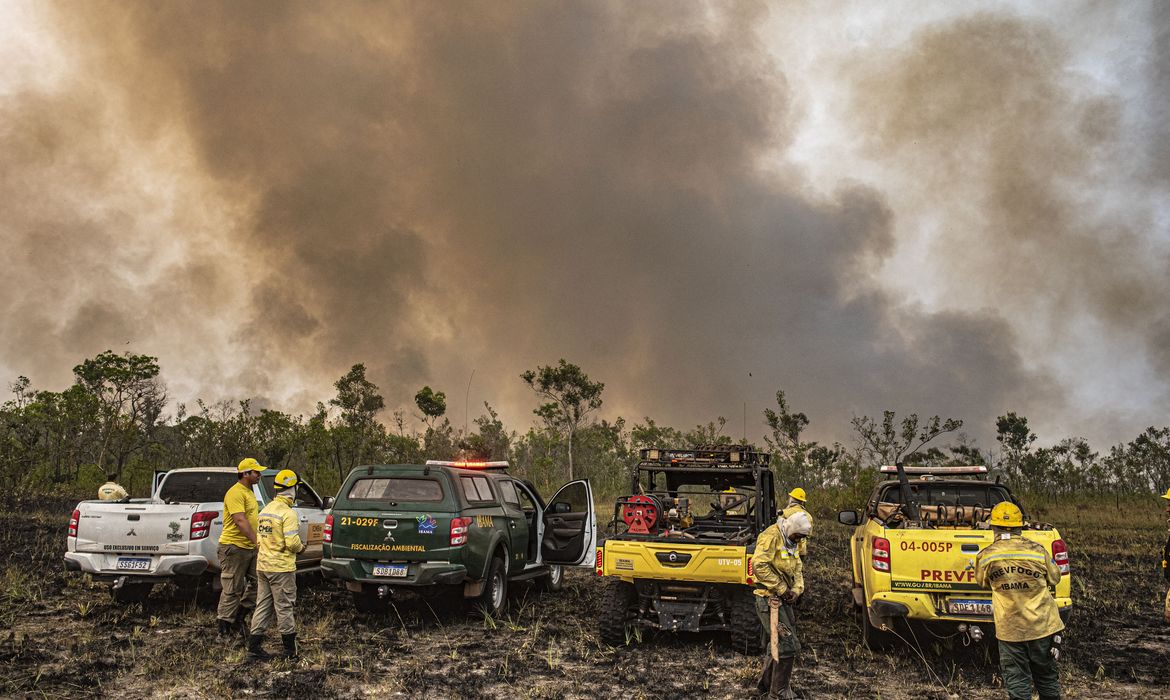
<point x="683" y="616"/>
<point x="472" y="589"/>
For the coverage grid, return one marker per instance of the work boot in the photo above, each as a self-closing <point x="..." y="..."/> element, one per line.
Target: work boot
<point x="256" y="649"/>
<point x="781" y="676"/>
<point x="225" y="629"/>
<point x="241" y="624"/>
<point x="290" y="645"/>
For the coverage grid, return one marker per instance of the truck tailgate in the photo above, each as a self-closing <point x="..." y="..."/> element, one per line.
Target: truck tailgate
<point x="934" y="560"/>
<point x="398" y="536"/>
<point x="669" y="560"/>
<point x="158" y="528"/>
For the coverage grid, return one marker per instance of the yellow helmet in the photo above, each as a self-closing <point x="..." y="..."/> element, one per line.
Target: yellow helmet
<point x="286" y="479"/>
<point x="248" y="465"/>
<point x="1167" y="495"/>
<point x="1007" y="514"/>
<point x="799" y="494"/>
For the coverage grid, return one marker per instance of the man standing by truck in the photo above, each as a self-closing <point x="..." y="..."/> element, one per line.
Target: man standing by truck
<point x="1019" y="573"/>
<point x="237" y="549"/>
<point x="276" y="567"/>
<point x="779" y="581"/>
<point x="1166" y="558"/>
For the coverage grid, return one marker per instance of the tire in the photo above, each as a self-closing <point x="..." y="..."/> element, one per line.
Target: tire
<point x="748" y="636"/>
<point x="618" y="605"/>
<point x="554" y="580"/>
<point x="493" y="599"/>
<point x="873" y="638"/>
<point x="366" y="601"/>
<point x="131" y="593"/>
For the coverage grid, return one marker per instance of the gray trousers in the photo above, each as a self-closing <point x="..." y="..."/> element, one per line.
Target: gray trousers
<point x="237" y="569"/>
<point x="277" y="593"/>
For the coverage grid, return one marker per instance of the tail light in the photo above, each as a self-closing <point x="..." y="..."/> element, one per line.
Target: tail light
<point x="1060" y="555"/>
<point x="459" y="528"/>
<point x="751" y="573"/>
<point x="73" y="522"/>
<point x="881" y="554"/>
<point x="201" y="523"/>
<point x="327" y="531"/>
<point x="600" y="566"/>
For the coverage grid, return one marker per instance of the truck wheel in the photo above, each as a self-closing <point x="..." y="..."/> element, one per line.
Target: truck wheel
<point x="874" y="638"/>
<point x="748" y="636"/>
<point x="554" y="580"/>
<point x="366" y="601"/>
<point x="129" y="593"/>
<point x="494" y="597"/>
<point x="618" y="605"/>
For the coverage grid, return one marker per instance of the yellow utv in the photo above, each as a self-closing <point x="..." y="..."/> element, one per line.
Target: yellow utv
<point x="680" y="558"/>
<point x="914" y="547"/>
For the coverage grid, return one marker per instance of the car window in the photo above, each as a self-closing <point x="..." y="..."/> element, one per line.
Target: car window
<point x="306" y="498"/>
<point x="196" y="487"/>
<point x="476" y="488"/>
<point x="576" y="495"/>
<point x="396" y="489"/>
<point x="526" y="503"/>
<point x="508" y="491"/>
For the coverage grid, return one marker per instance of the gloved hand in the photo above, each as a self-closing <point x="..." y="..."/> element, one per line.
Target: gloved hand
<point x="789" y="597"/>
<point x="1055" y="649"/>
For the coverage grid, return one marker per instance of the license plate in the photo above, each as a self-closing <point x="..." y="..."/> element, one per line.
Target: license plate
<point x="969" y="607"/>
<point x="395" y="570"/>
<point x="133" y="564"/>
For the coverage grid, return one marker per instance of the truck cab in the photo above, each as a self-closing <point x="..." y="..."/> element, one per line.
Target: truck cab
<point x="914" y="546"/>
<point x="449" y="525"/>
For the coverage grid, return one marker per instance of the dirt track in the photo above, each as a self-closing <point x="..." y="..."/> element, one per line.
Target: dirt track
<point x="63" y="637"/>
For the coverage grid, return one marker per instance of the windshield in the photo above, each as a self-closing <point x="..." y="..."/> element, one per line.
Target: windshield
<point x="196" y="487"/>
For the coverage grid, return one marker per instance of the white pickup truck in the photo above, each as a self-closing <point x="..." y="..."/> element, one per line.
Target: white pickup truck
<point x="174" y="535"/>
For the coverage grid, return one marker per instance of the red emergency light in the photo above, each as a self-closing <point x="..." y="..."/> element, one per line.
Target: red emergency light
<point x="467" y="465"/>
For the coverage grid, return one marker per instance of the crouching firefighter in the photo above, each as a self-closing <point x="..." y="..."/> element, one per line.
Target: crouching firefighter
<point x="779" y="581"/>
<point x="278" y="542"/>
<point x="1019" y="573"/>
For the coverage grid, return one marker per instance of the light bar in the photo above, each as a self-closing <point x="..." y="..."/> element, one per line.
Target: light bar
<point x="971" y="469"/>
<point x="467" y="465"/>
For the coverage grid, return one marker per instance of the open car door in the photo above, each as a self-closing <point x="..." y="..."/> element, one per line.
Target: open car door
<point x="570" y="526"/>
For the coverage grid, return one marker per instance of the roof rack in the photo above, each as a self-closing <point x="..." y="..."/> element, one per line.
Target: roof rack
<point x="729" y="455"/>
<point x="467" y="465"/>
<point x="954" y="470"/>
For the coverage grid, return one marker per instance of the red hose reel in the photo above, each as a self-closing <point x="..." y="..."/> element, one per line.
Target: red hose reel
<point x="641" y="514"/>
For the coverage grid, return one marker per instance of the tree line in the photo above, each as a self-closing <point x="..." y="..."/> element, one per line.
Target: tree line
<point x="113" y="420"/>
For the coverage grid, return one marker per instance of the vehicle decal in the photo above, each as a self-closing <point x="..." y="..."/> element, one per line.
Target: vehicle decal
<point x="483" y="521"/>
<point x="426" y="524"/>
<point x="361" y="547"/>
<point x="316" y="532"/>
<point x="174" y="535"/>
<point x="130" y="547"/>
<point x="933" y="586"/>
<point x="947" y="576"/>
<point x="360" y="522"/>
<point x="624" y="564"/>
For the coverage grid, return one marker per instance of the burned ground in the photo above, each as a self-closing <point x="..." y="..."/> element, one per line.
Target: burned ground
<point x="63" y="637"/>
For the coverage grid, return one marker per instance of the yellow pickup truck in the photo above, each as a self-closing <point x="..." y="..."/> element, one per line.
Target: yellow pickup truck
<point x="678" y="558"/>
<point x="914" y="548"/>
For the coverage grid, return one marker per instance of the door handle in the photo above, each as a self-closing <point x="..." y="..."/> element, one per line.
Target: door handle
<point x="512" y="525"/>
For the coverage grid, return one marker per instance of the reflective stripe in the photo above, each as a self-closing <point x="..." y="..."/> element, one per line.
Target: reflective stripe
<point x="1015" y="555"/>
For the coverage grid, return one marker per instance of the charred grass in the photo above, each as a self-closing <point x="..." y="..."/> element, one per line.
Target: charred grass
<point x="62" y="636"/>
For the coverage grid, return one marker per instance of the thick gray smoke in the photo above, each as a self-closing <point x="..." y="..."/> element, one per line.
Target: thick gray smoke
<point x="265" y="194"/>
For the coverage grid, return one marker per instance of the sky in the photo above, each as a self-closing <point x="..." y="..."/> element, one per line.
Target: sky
<point x="941" y="208"/>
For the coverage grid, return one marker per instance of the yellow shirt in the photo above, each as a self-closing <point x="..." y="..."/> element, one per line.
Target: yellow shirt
<point x="777" y="568"/>
<point x="1019" y="571"/>
<point x="239" y="499"/>
<point x="278" y="537"/>
<point x="791" y="510"/>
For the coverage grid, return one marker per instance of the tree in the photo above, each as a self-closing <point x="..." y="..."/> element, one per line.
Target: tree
<point x="359" y="432"/>
<point x="570" y="396"/>
<point x="1013" y="433"/>
<point x="433" y="405"/>
<point x="889" y="443"/>
<point x="130" y="400"/>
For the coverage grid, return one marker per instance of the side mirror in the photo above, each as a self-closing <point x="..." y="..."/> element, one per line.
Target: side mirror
<point x="327" y="503"/>
<point x="848" y="517"/>
<point x="561" y="507"/>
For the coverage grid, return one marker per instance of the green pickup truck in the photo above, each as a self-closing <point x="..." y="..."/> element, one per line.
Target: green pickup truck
<point x="465" y="525"/>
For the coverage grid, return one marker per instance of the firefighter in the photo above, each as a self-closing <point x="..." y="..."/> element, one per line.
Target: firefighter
<point x="779" y="582"/>
<point x="111" y="490"/>
<point x="1166" y="558"/>
<point x="1019" y="573"/>
<point x="276" y="567"/>
<point x="237" y="550"/>
<point x="796" y="503"/>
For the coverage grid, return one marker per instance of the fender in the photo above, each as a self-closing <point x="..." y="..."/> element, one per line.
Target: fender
<point x="479" y="562"/>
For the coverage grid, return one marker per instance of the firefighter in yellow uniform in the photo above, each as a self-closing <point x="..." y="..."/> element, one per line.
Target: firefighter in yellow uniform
<point x="279" y="542"/>
<point x="1166" y="558"/>
<point x="796" y="503"/>
<point x="779" y="580"/>
<point x="1019" y="573"/>
<point x="112" y="490"/>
